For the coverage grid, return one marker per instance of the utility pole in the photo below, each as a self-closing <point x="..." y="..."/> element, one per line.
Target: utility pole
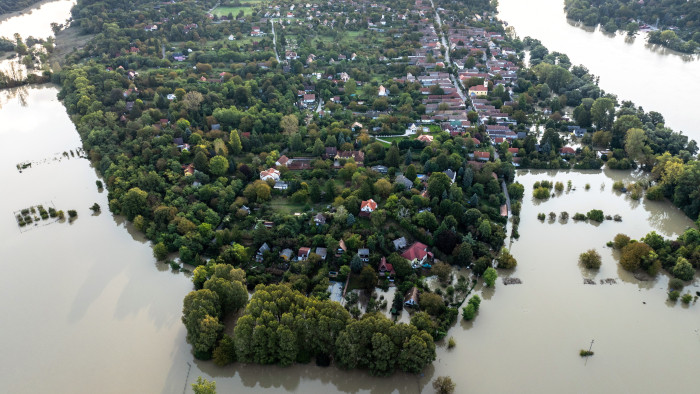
<point x="589" y="349"/>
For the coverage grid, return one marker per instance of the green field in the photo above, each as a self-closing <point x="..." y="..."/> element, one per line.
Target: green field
<point x="247" y="8"/>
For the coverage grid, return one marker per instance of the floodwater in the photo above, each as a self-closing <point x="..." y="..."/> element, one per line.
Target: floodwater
<point x="526" y="337"/>
<point x="651" y="76"/>
<point x="87" y="308"/>
<point x="37" y="22"/>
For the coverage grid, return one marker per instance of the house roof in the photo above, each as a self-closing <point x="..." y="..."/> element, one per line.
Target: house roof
<point x="482" y="155"/>
<point x="283" y="160"/>
<point x="417" y="251"/>
<point x="363" y="252"/>
<point x="341" y="245"/>
<point x="399" y="243"/>
<point x="386" y="267"/>
<point x="321" y="252"/>
<point x="369" y="204"/>
<point x="304" y="251"/>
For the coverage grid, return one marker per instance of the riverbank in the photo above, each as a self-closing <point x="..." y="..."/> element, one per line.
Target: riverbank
<point x="67" y="41"/>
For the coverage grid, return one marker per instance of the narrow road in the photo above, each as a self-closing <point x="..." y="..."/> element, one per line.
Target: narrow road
<point x="505" y="191"/>
<point x="457" y="84"/>
<point x="274" y="40"/>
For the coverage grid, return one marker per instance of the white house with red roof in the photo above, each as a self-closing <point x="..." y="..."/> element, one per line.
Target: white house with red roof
<point x="282" y="161"/>
<point x="270" y="173"/>
<point x="367" y="207"/>
<point x="417" y="254"/>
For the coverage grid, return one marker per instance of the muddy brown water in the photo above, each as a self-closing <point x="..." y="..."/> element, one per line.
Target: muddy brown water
<point x="87" y="309"/>
<point x="656" y="78"/>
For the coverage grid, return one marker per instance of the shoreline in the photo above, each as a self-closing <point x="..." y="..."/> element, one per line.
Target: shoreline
<point x="35" y="6"/>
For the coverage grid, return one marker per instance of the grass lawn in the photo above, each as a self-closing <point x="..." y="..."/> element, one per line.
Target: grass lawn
<point x="283" y="204"/>
<point x="247" y="10"/>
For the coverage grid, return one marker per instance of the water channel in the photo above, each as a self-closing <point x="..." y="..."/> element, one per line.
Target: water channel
<point x="656" y="78"/>
<point x="87" y="309"/>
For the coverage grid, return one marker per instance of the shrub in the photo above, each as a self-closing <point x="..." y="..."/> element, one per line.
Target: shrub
<point x="675" y="284"/>
<point x="444" y="385"/>
<point x="552" y="216"/>
<point x="72" y="213"/>
<point x="617" y="218"/>
<point x="590" y="259"/>
<point x="686" y="298"/>
<point x="618" y="185"/>
<point x="61" y="215"/>
<point x="475" y="301"/>
<point x="633" y="254"/>
<point x="451" y="343"/>
<point x="595" y="215"/>
<point x="490" y="276"/>
<point x="588" y="186"/>
<point x="620" y="241"/>
<point x="541" y="216"/>
<point x="585" y="353"/>
<point x="541" y="193"/>
<point x="683" y="269"/>
<point x="655" y="193"/>
<point x="673" y="295"/>
<point x="95" y="207"/>
<point x="579" y="216"/>
<point x="564" y="215"/>
<point x="99" y="184"/>
<point x="468" y="312"/>
<point x="559" y="186"/>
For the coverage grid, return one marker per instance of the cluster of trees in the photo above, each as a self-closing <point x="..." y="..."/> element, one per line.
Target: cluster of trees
<point x="679" y="19"/>
<point x="680" y="257"/>
<point x="283" y="326"/>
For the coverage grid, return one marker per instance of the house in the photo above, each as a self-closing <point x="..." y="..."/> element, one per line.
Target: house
<point x="381" y="169"/>
<point x="188" y="169"/>
<point x="383" y="92"/>
<point x="364" y="254"/>
<point x="451" y="174"/>
<point x="319" y="219"/>
<point x="268" y="224"/>
<point x="478" y="90"/>
<point x="356" y="155"/>
<point x="321" y="252"/>
<point x="280" y="185"/>
<point x="331" y="151"/>
<point x="341" y="248"/>
<point x="417" y="254"/>
<point x="386" y="269"/>
<point x="286" y="254"/>
<point x="260" y="253"/>
<point x="303" y="253"/>
<point x="399" y="243"/>
<point x="270" y="173"/>
<point x="513" y="151"/>
<point x="282" y="161"/>
<point x="402" y="180"/>
<point x="425" y="138"/>
<point x="411" y="298"/>
<point x="150" y="28"/>
<point x="482" y="156"/>
<point x="577" y="130"/>
<point x="309" y="98"/>
<point x="567" y="151"/>
<point x="368" y="206"/>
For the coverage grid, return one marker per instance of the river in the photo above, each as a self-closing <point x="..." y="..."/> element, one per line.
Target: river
<point x="656" y="78"/>
<point x="87" y="309"/>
